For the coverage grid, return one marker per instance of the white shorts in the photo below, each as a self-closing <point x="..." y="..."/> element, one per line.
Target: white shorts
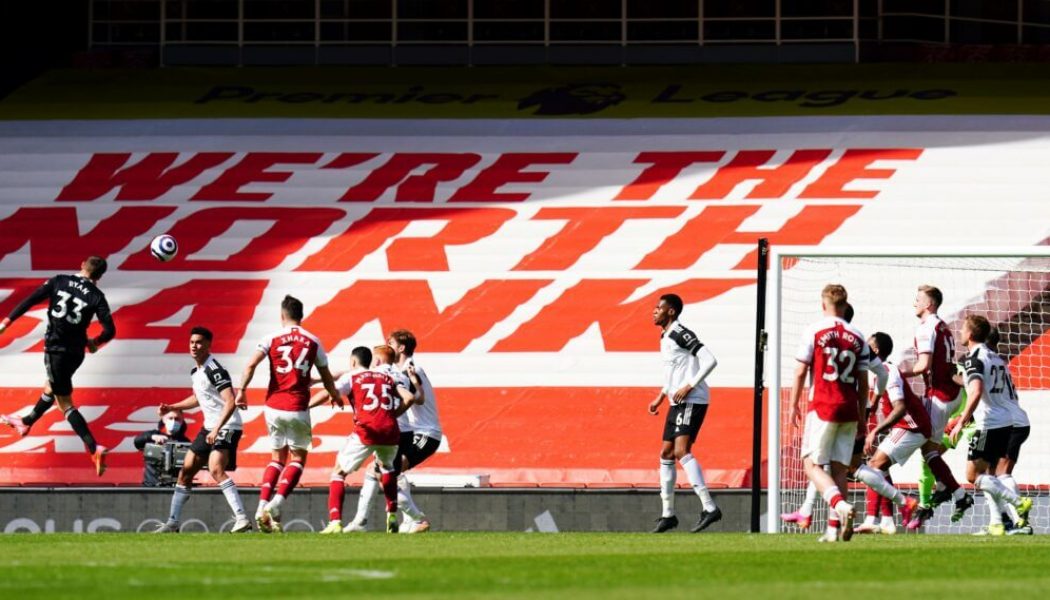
<point x="940" y="413"/>
<point x="289" y="428"/>
<point x="355" y="453"/>
<point x="900" y="444"/>
<point x="824" y="442"/>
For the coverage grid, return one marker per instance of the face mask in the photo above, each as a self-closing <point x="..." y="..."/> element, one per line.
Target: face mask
<point x="172" y="425"/>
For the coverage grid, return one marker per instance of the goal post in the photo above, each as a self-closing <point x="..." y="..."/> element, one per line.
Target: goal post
<point x="1009" y="285"/>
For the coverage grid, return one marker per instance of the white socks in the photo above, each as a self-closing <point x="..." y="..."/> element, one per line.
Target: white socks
<point x="877" y="481"/>
<point x="696" y="479"/>
<point x="1010" y="483"/>
<point x="182" y="493"/>
<point x="229" y="489"/>
<point x="991" y="485"/>
<point x="811" y="497"/>
<point x="405" y="501"/>
<point x="668" y="474"/>
<point x="369" y="489"/>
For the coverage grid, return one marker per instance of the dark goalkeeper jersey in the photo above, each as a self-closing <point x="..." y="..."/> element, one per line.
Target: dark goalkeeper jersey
<point x="72" y="302"/>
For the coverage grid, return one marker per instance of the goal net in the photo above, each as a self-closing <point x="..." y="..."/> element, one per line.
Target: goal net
<point x="1010" y="287"/>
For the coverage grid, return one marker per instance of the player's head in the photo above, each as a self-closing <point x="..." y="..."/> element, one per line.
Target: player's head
<point x="927" y="300"/>
<point x="403" y="342"/>
<point x="833" y="299"/>
<point x="976" y="330"/>
<point x="382" y="355"/>
<point x="668" y="308"/>
<point x="993" y="340"/>
<point x="881" y="344"/>
<point x="200" y="342"/>
<point x="360" y="358"/>
<point x="291" y="310"/>
<point x="847" y="315"/>
<point x="94" y="267"/>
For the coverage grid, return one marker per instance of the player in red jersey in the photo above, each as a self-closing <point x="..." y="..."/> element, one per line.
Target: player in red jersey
<point x="910" y="424"/>
<point x="293" y="352"/>
<point x="838" y="356"/>
<point x="935" y="349"/>
<point x="373" y="396"/>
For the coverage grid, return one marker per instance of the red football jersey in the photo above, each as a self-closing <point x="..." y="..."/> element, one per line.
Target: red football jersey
<point x="916" y="416"/>
<point x="838" y="356"/>
<point x="372" y="398"/>
<point x="933" y="337"/>
<point x="293" y="352"/>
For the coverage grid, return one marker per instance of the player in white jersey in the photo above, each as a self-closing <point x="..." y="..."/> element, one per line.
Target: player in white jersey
<point x="687" y="363"/>
<point x="420" y="438"/>
<point x="216" y="443"/>
<point x="1019" y="433"/>
<point x="989" y="395"/>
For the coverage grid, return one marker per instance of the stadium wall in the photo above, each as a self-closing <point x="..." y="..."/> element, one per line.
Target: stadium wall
<point x="526" y="253"/>
<point x="95" y="510"/>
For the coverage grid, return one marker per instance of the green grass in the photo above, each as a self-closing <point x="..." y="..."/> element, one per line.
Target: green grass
<point x="458" y="565"/>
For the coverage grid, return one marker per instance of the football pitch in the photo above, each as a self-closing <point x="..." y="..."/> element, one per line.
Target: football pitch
<point x="517" y="565"/>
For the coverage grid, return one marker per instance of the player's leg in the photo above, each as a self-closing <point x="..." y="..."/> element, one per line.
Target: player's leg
<point x="193" y="463"/>
<point x="365" y="498"/>
<point x="668" y="473"/>
<point x="840" y="453"/>
<point x="987" y="448"/>
<point x="21" y="424"/>
<point x="385" y="456"/>
<point x="804" y="515"/>
<point x="275" y="429"/>
<point x="290" y="476"/>
<point x="350" y="458"/>
<point x="895" y="448"/>
<point x="693" y="419"/>
<point x="223" y="457"/>
<point x="419" y="450"/>
<point x="886" y="522"/>
<point x="61" y="368"/>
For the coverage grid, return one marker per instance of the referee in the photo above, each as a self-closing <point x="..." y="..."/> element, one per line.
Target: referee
<point x="73" y="300"/>
<point x="687" y="363"/>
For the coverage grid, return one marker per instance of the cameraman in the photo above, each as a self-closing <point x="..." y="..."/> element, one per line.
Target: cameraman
<point x="170" y="428"/>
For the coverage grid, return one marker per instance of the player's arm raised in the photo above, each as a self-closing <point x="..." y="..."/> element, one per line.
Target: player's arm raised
<point x="39" y="295"/>
<point x="329" y="385"/>
<point x="229" y="405"/>
<point x="241" y="398"/>
<point x="417" y="385"/>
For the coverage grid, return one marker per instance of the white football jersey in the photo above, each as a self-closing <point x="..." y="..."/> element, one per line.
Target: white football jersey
<point x="209" y="381"/>
<point x="678" y="348"/>
<point x="423" y="418"/>
<point x="994" y="410"/>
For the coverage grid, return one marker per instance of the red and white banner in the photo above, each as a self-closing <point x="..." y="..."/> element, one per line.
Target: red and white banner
<point x="526" y="257"/>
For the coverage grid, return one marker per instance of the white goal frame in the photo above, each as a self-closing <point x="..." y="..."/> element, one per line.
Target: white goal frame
<point x="773" y="354"/>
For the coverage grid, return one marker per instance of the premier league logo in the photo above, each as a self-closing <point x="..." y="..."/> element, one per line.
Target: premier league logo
<point x="574" y="99"/>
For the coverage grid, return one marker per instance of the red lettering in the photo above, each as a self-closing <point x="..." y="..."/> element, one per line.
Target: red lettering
<point x="53" y="230"/>
<point x="585" y="228"/>
<point x="747" y="165"/>
<point x="625" y="326"/>
<point x="411" y="188"/>
<point x="292" y="228"/>
<point x="148" y="179"/>
<point x="852" y="166"/>
<point x="410" y="304"/>
<point x="665" y="167"/>
<point x="223" y="305"/>
<point x="718" y="225"/>
<point x="508" y="169"/>
<point x="363" y="237"/>
<point x="253" y="169"/>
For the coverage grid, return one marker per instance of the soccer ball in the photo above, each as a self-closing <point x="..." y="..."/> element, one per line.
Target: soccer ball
<point x="163" y="248"/>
